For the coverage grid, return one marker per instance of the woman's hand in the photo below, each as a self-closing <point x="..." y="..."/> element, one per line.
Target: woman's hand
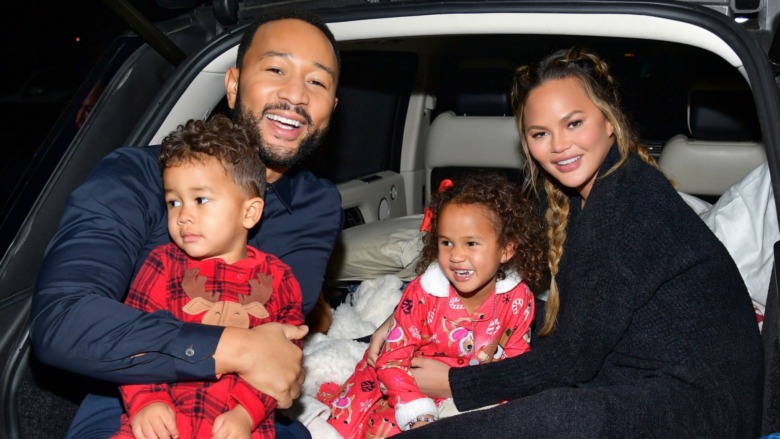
<point x="432" y="377"/>
<point x="377" y="340"/>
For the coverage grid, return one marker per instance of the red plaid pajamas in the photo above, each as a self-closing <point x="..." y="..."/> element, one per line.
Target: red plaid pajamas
<point x="158" y="286"/>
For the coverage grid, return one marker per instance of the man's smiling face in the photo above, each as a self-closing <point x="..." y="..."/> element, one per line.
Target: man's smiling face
<point x="287" y="89"/>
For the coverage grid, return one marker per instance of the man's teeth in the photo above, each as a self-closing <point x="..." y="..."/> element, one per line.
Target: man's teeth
<point x="566" y="162"/>
<point x="284" y="120"/>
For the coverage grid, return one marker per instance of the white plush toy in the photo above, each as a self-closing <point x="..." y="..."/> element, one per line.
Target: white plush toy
<point x="332" y="357"/>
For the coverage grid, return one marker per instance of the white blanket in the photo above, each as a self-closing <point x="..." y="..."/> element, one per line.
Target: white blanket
<point x="332" y="357"/>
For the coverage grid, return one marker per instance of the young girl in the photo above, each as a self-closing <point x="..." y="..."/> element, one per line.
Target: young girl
<point x="649" y="330"/>
<point x="470" y="305"/>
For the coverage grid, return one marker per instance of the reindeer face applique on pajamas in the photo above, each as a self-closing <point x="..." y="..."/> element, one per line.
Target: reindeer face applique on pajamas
<point x="224" y="312"/>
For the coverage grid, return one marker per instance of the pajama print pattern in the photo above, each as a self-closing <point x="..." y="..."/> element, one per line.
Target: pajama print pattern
<point x="430" y="321"/>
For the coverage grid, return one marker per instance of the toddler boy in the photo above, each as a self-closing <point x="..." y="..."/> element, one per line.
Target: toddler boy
<point x="214" y="185"/>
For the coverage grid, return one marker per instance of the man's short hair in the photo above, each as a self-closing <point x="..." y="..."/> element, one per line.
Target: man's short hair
<point x="276" y="15"/>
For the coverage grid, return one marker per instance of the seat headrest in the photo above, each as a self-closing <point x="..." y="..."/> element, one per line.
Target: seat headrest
<point x="473" y="141"/>
<point x="460" y="143"/>
<point x="723" y="115"/>
<point x="484" y="91"/>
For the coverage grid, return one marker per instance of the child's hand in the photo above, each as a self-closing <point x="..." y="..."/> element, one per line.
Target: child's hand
<point x="233" y="424"/>
<point x="377" y="340"/>
<point x="155" y="421"/>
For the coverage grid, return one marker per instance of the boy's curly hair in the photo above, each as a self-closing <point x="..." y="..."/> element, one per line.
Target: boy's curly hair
<point x="514" y="217"/>
<point x="235" y="146"/>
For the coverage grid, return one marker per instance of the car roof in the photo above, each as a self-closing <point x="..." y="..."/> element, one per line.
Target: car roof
<point x="712" y="28"/>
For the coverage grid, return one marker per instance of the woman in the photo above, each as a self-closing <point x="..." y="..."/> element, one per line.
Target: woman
<point x="648" y="330"/>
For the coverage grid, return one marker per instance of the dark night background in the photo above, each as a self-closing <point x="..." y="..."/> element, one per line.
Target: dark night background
<point x="48" y="47"/>
<point x="63" y="37"/>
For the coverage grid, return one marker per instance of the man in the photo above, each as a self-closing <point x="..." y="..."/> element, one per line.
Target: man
<point x="284" y="83"/>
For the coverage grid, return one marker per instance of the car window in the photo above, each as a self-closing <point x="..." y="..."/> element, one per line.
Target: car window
<point x="654" y="77"/>
<point x="38" y="148"/>
<point x="367" y="127"/>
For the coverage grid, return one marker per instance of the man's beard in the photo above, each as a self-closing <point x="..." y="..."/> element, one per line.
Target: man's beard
<point x="273" y="157"/>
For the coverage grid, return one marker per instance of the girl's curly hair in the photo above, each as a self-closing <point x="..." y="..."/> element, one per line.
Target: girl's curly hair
<point x="514" y="217"/>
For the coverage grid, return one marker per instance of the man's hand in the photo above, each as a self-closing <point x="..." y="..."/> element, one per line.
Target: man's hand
<point x="265" y="358"/>
<point x="377" y="340"/>
<point x="432" y="377"/>
<point x="155" y="421"/>
<point x="233" y="424"/>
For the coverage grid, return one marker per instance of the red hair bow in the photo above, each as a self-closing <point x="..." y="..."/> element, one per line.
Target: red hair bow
<point x="428" y="216"/>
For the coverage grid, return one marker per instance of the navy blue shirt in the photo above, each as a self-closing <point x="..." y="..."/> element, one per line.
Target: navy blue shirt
<point x="109" y="226"/>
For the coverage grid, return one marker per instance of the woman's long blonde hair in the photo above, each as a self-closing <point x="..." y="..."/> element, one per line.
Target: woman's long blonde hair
<point x="601" y="88"/>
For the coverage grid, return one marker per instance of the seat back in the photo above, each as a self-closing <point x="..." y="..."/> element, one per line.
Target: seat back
<point x="722" y="146"/>
<point x="460" y="144"/>
<point x="478" y="131"/>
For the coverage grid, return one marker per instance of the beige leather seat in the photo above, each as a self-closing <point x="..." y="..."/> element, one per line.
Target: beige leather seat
<point x="722" y="146"/>
<point x="461" y="143"/>
<point x="479" y="131"/>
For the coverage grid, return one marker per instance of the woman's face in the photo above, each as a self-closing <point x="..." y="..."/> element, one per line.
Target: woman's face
<point x="566" y="133"/>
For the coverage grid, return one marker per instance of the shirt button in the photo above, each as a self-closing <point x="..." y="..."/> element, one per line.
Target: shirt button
<point x="460" y="360"/>
<point x="189" y="352"/>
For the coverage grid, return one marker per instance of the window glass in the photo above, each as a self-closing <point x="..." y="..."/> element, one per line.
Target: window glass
<point x="367" y="127"/>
